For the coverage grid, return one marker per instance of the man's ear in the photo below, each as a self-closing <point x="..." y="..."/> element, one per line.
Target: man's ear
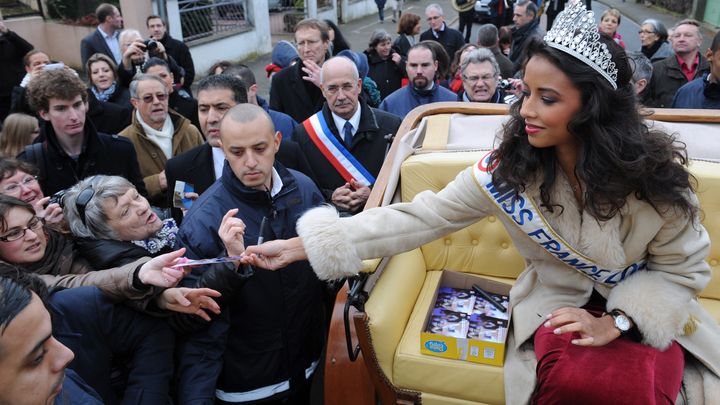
<point x="277" y="138"/>
<point x="134" y="102"/>
<point x="709" y="54"/>
<point x="44" y="115"/>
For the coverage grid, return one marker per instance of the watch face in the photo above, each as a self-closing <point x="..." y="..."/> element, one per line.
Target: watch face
<point x="622" y="323"/>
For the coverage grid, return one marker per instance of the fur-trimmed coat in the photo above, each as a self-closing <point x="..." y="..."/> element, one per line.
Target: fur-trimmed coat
<point x="661" y="300"/>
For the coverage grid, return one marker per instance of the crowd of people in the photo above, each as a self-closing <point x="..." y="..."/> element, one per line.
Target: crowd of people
<point x="110" y="188"/>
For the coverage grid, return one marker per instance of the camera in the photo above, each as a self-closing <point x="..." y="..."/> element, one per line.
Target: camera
<point x="57" y="198"/>
<point x="504" y="84"/>
<point x="150" y="45"/>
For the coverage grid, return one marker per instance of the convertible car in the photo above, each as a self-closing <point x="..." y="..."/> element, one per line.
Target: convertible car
<point x="374" y="351"/>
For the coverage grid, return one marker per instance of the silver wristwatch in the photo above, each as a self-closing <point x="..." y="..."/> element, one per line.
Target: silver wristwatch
<point x="622" y="322"/>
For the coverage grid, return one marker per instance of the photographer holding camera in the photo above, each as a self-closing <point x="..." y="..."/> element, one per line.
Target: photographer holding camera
<point x="136" y="50"/>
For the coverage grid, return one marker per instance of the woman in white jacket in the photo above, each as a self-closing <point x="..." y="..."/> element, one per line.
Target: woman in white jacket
<point x="603" y="210"/>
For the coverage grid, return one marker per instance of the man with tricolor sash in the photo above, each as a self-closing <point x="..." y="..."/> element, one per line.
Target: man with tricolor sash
<point x="345" y="142"/>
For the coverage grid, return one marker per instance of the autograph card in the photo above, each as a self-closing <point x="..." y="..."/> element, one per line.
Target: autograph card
<point x="216" y="260"/>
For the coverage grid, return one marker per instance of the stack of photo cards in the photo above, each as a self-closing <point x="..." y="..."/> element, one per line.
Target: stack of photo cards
<point x="463" y="313"/>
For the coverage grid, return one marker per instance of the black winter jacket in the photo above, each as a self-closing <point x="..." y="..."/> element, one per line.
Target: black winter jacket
<point x="387" y="74"/>
<point x="102" y="154"/>
<point x="272" y="329"/>
<point x="370" y="145"/>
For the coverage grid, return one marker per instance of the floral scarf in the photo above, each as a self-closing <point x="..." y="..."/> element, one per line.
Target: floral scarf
<point x="165" y="237"/>
<point x="103" y="95"/>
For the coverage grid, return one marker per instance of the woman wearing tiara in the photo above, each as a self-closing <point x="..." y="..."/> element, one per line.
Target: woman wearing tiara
<point x="603" y="210"/>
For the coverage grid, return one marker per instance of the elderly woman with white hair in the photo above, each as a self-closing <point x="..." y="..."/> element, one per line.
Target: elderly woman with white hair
<point x="114" y="225"/>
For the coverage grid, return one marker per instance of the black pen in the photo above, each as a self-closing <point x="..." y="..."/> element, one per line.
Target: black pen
<point x="261" y="237"/>
<point x="487" y="297"/>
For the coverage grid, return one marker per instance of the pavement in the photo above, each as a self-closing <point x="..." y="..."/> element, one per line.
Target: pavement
<point x="357" y="32"/>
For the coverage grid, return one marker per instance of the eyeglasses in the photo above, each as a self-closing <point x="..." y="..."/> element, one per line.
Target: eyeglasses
<point x="433" y="18"/>
<point x="475" y="79"/>
<point x="346" y="88"/>
<point x="645" y="32"/>
<point x="15" y="187"/>
<point x="148" y="98"/>
<point x="82" y="200"/>
<point x="34" y="225"/>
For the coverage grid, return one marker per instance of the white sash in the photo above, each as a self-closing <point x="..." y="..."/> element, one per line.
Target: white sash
<point x="523" y="212"/>
<point x="335" y="152"/>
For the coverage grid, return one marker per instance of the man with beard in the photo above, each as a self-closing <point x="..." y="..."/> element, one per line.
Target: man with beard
<point x="421" y="67"/>
<point x="295" y="90"/>
<point x="346" y="130"/>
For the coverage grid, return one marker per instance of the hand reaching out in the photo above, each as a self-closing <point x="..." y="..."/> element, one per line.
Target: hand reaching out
<point x="159" y="271"/>
<point x="190" y="301"/>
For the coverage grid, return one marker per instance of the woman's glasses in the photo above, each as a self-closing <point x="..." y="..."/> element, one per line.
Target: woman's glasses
<point x="35" y="224"/>
<point x="13" y="188"/>
<point x="82" y="200"/>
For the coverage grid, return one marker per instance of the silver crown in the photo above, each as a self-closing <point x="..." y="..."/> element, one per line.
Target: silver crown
<point x="575" y="32"/>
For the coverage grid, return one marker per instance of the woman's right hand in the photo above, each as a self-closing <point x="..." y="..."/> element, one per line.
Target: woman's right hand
<point x="275" y="254"/>
<point x="52" y="214"/>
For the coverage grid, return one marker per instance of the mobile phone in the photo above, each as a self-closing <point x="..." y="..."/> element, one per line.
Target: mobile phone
<point x="54" y="66"/>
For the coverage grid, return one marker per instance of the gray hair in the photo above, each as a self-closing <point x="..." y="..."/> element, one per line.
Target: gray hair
<point x="141" y="77"/>
<point x="128" y="33"/>
<point x="487" y="36"/>
<point x="96" y="220"/>
<point x="356" y="74"/>
<point x="641" y="66"/>
<point x="658" y="28"/>
<point x="480" y="55"/>
<point x="434" y="7"/>
<point x="378" y="37"/>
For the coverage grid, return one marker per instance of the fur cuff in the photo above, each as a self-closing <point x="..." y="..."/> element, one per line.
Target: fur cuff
<point x="659" y="308"/>
<point x="330" y="252"/>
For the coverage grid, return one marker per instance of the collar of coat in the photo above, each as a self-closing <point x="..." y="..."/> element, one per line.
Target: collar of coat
<point x="179" y="122"/>
<point x="598" y="240"/>
<point x="367" y="128"/>
<point x="259" y="197"/>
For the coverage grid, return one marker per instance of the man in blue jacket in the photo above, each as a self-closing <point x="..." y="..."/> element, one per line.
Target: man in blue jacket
<point x="703" y="92"/>
<point x="266" y="343"/>
<point x="422" y="64"/>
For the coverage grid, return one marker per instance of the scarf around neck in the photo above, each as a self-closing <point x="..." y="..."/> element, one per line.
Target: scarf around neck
<point x="103" y="95"/>
<point x="161" y="138"/>
<point x="164" y="238"/>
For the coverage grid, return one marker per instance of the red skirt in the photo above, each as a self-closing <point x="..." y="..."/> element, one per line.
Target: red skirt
<point x="621" y="372"/>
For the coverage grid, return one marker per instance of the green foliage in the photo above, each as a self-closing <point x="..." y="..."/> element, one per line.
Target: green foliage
<point x="81" y="12"/>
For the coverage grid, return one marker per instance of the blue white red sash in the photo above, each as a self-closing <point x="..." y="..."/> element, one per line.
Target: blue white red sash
<point x="523" y="212"/>
<point x="335" y="152"/>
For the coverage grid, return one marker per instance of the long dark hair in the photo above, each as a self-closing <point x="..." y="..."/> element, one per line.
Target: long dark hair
<point x="618" y="155"/>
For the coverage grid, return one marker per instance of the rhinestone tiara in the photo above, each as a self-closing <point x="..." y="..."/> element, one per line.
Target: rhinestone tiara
<point x="574" y="32"/>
